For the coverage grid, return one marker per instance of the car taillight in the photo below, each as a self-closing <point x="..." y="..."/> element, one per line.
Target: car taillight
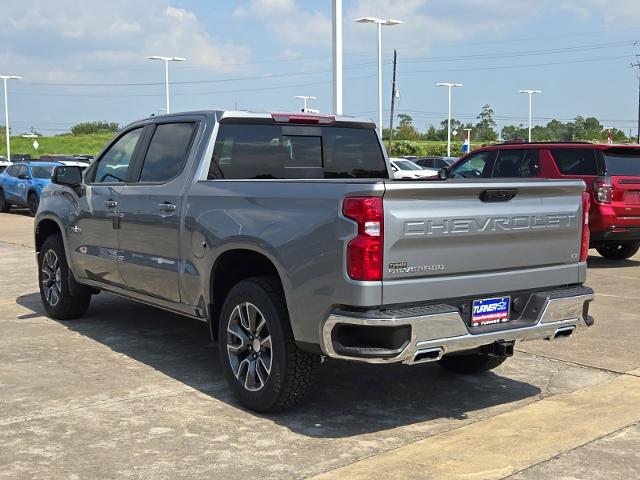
<point x="365" y="251"/>
<point x="584" y="246"/>
<point x="603" y="191"/>
<point x="303" y="118"/>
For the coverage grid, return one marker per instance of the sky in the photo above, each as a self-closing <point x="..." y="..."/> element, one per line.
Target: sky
<point x="85" y="61"/>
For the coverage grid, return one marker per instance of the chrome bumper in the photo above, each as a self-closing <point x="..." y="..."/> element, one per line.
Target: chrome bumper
<point x="442" y="332"/>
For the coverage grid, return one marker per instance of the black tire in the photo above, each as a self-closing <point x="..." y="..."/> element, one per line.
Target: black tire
<point x="54" y="282"/>
<point x="291" y="370"/>
<point x="4" y="205"/>
<point x="618" y="251"/>
<point x="472" y="363"/>
<point x="33" y="202"/>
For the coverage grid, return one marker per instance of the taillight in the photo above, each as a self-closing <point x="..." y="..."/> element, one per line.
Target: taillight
<point x="602" y="191"/>
<point x="303" y="118"/>
<point x="584" y="246"/>
<point x="365" y="251"/>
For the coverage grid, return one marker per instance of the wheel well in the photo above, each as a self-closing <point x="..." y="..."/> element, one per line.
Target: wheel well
<point x="45" y="229"/>
<point x="232" y="267"/>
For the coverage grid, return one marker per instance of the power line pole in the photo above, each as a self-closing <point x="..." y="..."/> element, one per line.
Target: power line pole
<point x="393" y="98"/>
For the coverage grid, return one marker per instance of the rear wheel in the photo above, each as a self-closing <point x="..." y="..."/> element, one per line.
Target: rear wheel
<point x="4" y="205"/>
<point x="261" y="362"/>
<point x="33" y="202"/>
<point x="618" y="251"/>
<point x="53" y="274"/>
<point x="468" y="364"/>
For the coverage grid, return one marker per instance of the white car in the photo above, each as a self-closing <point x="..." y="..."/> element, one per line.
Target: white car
<point x="406" y="169"/>
<point x="4" y="163"/>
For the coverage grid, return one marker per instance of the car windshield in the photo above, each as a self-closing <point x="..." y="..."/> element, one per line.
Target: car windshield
<point x="623" y="163"/>
<point x="42" y="171"/>
<point x="406" y="165"/>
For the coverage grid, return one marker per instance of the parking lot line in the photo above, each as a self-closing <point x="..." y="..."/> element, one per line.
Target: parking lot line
<point x="510" y="442"/>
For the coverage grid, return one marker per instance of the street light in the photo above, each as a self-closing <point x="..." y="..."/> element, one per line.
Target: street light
<point x="166" y="71"/>
<point x="305" y="98"/>
<point x="6" y="110"/>
<point x="449" y="86"/>
<point x="379" y="22"/>
<point x="530" y="93"/>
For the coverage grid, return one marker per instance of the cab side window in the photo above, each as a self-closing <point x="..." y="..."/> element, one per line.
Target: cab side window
<point x="478" y="165"/>
<point x="114" y="164"/>
<point x="168" y="152"/>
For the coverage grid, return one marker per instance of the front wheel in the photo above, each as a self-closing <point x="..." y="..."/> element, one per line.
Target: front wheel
<point x="53" y="274"/>
<point x="4" y="205"/>
<point x="261" y="362"/>
<point x="618" y="251"/>
<point x="33" y="203"/>
<point x="472" y="363"/>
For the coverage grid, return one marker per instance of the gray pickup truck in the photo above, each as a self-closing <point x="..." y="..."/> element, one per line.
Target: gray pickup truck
<point x="288" y="236"/>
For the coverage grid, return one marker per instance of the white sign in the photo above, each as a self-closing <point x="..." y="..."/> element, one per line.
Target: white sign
<point x="35" y="144"/>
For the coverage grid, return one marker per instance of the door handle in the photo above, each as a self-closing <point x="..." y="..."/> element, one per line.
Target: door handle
<point x="110" y="204"/>
<point x="167" y="207"/>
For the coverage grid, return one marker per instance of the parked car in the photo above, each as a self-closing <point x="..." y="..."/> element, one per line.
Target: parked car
<point x="21" y="184"/>
<point x="435" y="162"/>
<point x="404" y="169"/>
<point x="57" y="158"/>
<point x="611" y="173"/>
<point x="4" y="163"/>
<point x="285" y="234"/>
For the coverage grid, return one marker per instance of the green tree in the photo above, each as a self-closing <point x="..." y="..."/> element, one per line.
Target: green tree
<point x="484" y="129"/>
<point x="88" y="128"/>
<point x="513" y="132"/>
<point x="406" y="130"/>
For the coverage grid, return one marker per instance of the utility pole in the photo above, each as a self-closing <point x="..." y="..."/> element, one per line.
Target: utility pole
<point x="393" y="99"/>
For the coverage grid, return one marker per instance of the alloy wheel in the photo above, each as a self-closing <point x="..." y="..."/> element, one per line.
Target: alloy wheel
<point x="51" y="278"/>
<point x="249" y="346"/>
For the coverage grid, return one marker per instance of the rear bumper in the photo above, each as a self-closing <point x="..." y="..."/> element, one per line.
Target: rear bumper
<point x="616" y="234"/>
<point x="436" y="330"/>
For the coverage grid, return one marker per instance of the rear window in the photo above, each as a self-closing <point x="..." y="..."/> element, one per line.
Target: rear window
<point x="622" y="163"/>
<point x="296" y="152"/>
<point x="576" y="161"/>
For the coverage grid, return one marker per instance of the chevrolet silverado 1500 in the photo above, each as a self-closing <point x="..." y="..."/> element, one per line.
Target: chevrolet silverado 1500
<point x="287" y="234"/>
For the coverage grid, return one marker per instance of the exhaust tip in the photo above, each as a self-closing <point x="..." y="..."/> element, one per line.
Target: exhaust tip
<point x="564" y="332"/>
<point x="428" y="355"/>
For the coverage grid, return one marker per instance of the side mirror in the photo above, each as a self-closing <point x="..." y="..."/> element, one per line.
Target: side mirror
<point x="443" y="173"/>
<point x="69" y="176"/>
<point x="23" y="176"/>
<point x="394" y="168"/>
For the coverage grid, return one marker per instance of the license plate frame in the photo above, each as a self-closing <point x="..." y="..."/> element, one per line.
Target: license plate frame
<point x="490" y="311"/>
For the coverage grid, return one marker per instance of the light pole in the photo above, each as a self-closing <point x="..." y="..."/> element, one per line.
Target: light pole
<point x="166" y="72"/>
<point x="337" y="56"/>
<point x="305" y="98"/>
<point x="379" y="22"/>
<point x="6" y="110"/>
<point x="449" y="86"/>
<point x="530" y="93"/>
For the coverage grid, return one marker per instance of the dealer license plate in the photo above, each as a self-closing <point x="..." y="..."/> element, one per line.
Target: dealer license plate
<point x="489" y="311"/>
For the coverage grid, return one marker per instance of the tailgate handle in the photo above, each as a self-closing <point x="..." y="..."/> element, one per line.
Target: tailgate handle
<point x="498" y="195"/>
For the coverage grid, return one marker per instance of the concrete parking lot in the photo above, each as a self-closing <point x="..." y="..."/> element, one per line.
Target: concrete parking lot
<point x="130" y="391"/>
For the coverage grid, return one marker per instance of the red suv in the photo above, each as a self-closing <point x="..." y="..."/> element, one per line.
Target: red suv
<point x="611" y="172"/>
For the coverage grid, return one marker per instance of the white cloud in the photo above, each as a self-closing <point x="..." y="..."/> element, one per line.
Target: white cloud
<point x="66" y="39"/>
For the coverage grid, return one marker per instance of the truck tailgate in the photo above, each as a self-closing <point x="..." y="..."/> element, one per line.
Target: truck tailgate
<point x="446" y="239"/>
